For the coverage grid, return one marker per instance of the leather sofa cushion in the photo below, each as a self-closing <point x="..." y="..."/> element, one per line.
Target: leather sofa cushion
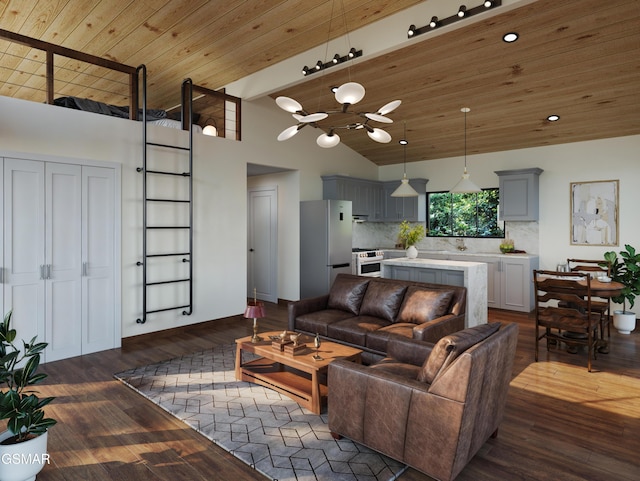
<point x="377" y="340"/>
<point x="422" y="305"/>
<point x="382" y="300"/>
<point x="354" y="330"/>
<point x="317" y="322"/>
<point x="347" y="293"/>
<point x="450" y="347"/>
<point x="398" y="368"/>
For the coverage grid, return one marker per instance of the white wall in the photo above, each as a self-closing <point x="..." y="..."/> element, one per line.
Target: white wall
<point x="220" y="186"/>
<point x="607" y="159"/>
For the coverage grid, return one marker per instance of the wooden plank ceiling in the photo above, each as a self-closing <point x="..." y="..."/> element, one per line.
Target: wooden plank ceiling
<point x="579" y="59"/>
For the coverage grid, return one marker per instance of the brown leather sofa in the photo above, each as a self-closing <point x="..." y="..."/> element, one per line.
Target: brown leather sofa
<point x="365" y="312"/>
<point x="429" y="406"/>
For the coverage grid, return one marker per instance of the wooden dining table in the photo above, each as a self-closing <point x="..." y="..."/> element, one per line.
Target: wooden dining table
<point x="604" y="289"/>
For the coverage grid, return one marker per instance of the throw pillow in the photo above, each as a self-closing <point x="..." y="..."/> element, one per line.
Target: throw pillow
<point x="422" y="305"/>
<point x="450" y="347"/>
<point x="347" y="293"/>
<point x="382" y="300"/>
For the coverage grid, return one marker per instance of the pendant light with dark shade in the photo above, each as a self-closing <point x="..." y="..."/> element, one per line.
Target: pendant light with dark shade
<point x="404" y="189"/>
<point x="465" y="186"/>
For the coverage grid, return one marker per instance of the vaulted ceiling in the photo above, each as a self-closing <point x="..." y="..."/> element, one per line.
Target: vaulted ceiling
<point x="579" y="59"/>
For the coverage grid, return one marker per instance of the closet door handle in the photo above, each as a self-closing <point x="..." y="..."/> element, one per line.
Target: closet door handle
<point x="85" y="269"/>
<point x="48" y="271"/>
<point x="42" y="275"/>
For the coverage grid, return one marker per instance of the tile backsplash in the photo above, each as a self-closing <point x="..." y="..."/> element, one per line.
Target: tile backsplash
<point x="385" y="235"/>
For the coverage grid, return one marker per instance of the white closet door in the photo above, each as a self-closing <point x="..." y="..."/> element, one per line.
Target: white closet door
<point x="23" y="252"/>
<point x="98" y="248"/>
<point x="63" y="252"/>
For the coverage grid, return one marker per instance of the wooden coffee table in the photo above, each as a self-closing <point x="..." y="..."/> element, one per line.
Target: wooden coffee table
<point x="298" y="376"/>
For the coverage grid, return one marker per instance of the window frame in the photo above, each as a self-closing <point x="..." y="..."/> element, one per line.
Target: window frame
<point x="499" y="223"/>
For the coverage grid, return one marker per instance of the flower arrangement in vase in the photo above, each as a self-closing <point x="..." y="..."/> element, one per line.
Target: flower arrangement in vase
<point x="409" y="236"/>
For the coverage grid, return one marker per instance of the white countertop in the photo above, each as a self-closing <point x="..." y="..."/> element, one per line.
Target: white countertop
<point x="464" y="253"/>
<point x="431" y="263"/>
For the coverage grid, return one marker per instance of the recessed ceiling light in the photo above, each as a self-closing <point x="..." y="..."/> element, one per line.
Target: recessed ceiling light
<point x="510" y="37"/>
<point x="553" y="118"/>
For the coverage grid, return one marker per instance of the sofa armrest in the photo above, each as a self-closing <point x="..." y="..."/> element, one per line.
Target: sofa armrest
<point x="433" y="331"/>
<point x="305" y="306"/>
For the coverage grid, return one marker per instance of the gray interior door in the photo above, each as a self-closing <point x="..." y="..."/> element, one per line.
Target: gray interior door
<point x="262" y="242"/>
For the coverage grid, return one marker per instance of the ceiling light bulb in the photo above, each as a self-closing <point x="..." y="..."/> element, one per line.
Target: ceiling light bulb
<point x="462" y="11"/>
<point x="488" y="4"/>
<point x="319" y="65"/>
<point x="403" y="141"/>
<point x="434" y="22"/>
<point x="210" y="130"/>
<point x="328" y="140"/>
<point x="553" y="118"/>
<point x="289" y="104"/>
<point x="510" y="37"/>
<point x="350" y="93"/>
<point x="411" y="31"/>
<point x="379" y="135"/>
<point x="352" y="52"/>
<point x="336" y="58"/>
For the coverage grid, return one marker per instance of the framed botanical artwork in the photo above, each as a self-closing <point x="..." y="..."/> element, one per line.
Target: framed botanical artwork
<point x="594" y="213"/>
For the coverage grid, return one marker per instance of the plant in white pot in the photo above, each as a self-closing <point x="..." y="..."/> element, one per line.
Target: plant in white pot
<point x="625" y="270"/>
<point x="23" y="446"/>
<point x="410" y="236"/>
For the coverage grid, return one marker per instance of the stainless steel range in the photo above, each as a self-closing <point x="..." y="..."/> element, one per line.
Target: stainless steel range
<point x="367" y="262"/>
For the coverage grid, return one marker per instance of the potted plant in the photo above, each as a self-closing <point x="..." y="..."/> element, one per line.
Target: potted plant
<point x="23" y="446"/>
<point x="410" y="236"/>
<point x="625" y="270"/>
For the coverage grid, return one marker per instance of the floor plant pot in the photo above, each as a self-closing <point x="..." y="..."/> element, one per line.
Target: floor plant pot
<point x="412" y="252"/>
<point x="22" y="461"/>
<point x="624" y="321"/>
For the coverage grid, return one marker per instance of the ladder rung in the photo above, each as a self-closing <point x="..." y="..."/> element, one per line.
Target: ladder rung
<point x="167" y="309"/>
<point x="170" y="255"/>
<point x="164" y="172"/>
<point x="167" y="200"/>
<point x="167" y="282"/>
<point x="168" y="227"/>
<point x="168" y="146"/>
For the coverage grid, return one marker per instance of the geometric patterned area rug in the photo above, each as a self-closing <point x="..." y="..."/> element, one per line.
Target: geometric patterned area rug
<point x="268" y="431"/>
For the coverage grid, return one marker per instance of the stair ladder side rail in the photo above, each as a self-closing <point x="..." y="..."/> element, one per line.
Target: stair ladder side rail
<point x="143" y="69"/>
<point x="187" y="256"/>
<point x="187" y="116"/>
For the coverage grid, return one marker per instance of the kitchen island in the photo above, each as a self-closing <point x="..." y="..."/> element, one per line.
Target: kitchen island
<point x="472" y="275"/>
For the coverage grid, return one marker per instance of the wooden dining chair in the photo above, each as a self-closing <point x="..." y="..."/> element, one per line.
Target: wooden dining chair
<point x="597" y="267"/>
<point x="563" y="311"/>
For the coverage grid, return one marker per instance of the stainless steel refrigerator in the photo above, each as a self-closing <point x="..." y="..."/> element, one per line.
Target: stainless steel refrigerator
<point x="325" y="244"/>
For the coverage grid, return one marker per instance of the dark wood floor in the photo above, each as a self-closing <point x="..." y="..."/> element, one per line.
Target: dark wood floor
<point x="562" y="423"/>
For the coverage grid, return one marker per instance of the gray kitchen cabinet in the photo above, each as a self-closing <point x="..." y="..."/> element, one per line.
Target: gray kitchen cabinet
<point x="509" y="280"/>
<point x="372" y="199"/>
<point x="433" y="276"/>
<point x="519" y="194"/>
<point x="413" y="209"/>
<point x="364" y="194"/>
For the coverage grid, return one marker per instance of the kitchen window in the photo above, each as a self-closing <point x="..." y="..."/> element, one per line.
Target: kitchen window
<point x="464" y="215"/>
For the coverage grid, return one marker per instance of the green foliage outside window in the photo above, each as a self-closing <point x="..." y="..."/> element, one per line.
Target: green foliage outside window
<point x="464" y="215"/>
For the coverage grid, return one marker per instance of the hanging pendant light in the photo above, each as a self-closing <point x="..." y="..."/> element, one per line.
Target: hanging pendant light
<point x="465" y="185"/>
<point x="405" y="189"/>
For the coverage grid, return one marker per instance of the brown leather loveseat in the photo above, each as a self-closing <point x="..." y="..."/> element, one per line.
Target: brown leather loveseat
<point x="429" y="406"/>
<point x="365" y="312"/>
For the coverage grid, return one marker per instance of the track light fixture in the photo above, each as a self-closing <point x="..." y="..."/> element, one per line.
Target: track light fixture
<point x="463" y="12"/>
<point x="337" y="59"/>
